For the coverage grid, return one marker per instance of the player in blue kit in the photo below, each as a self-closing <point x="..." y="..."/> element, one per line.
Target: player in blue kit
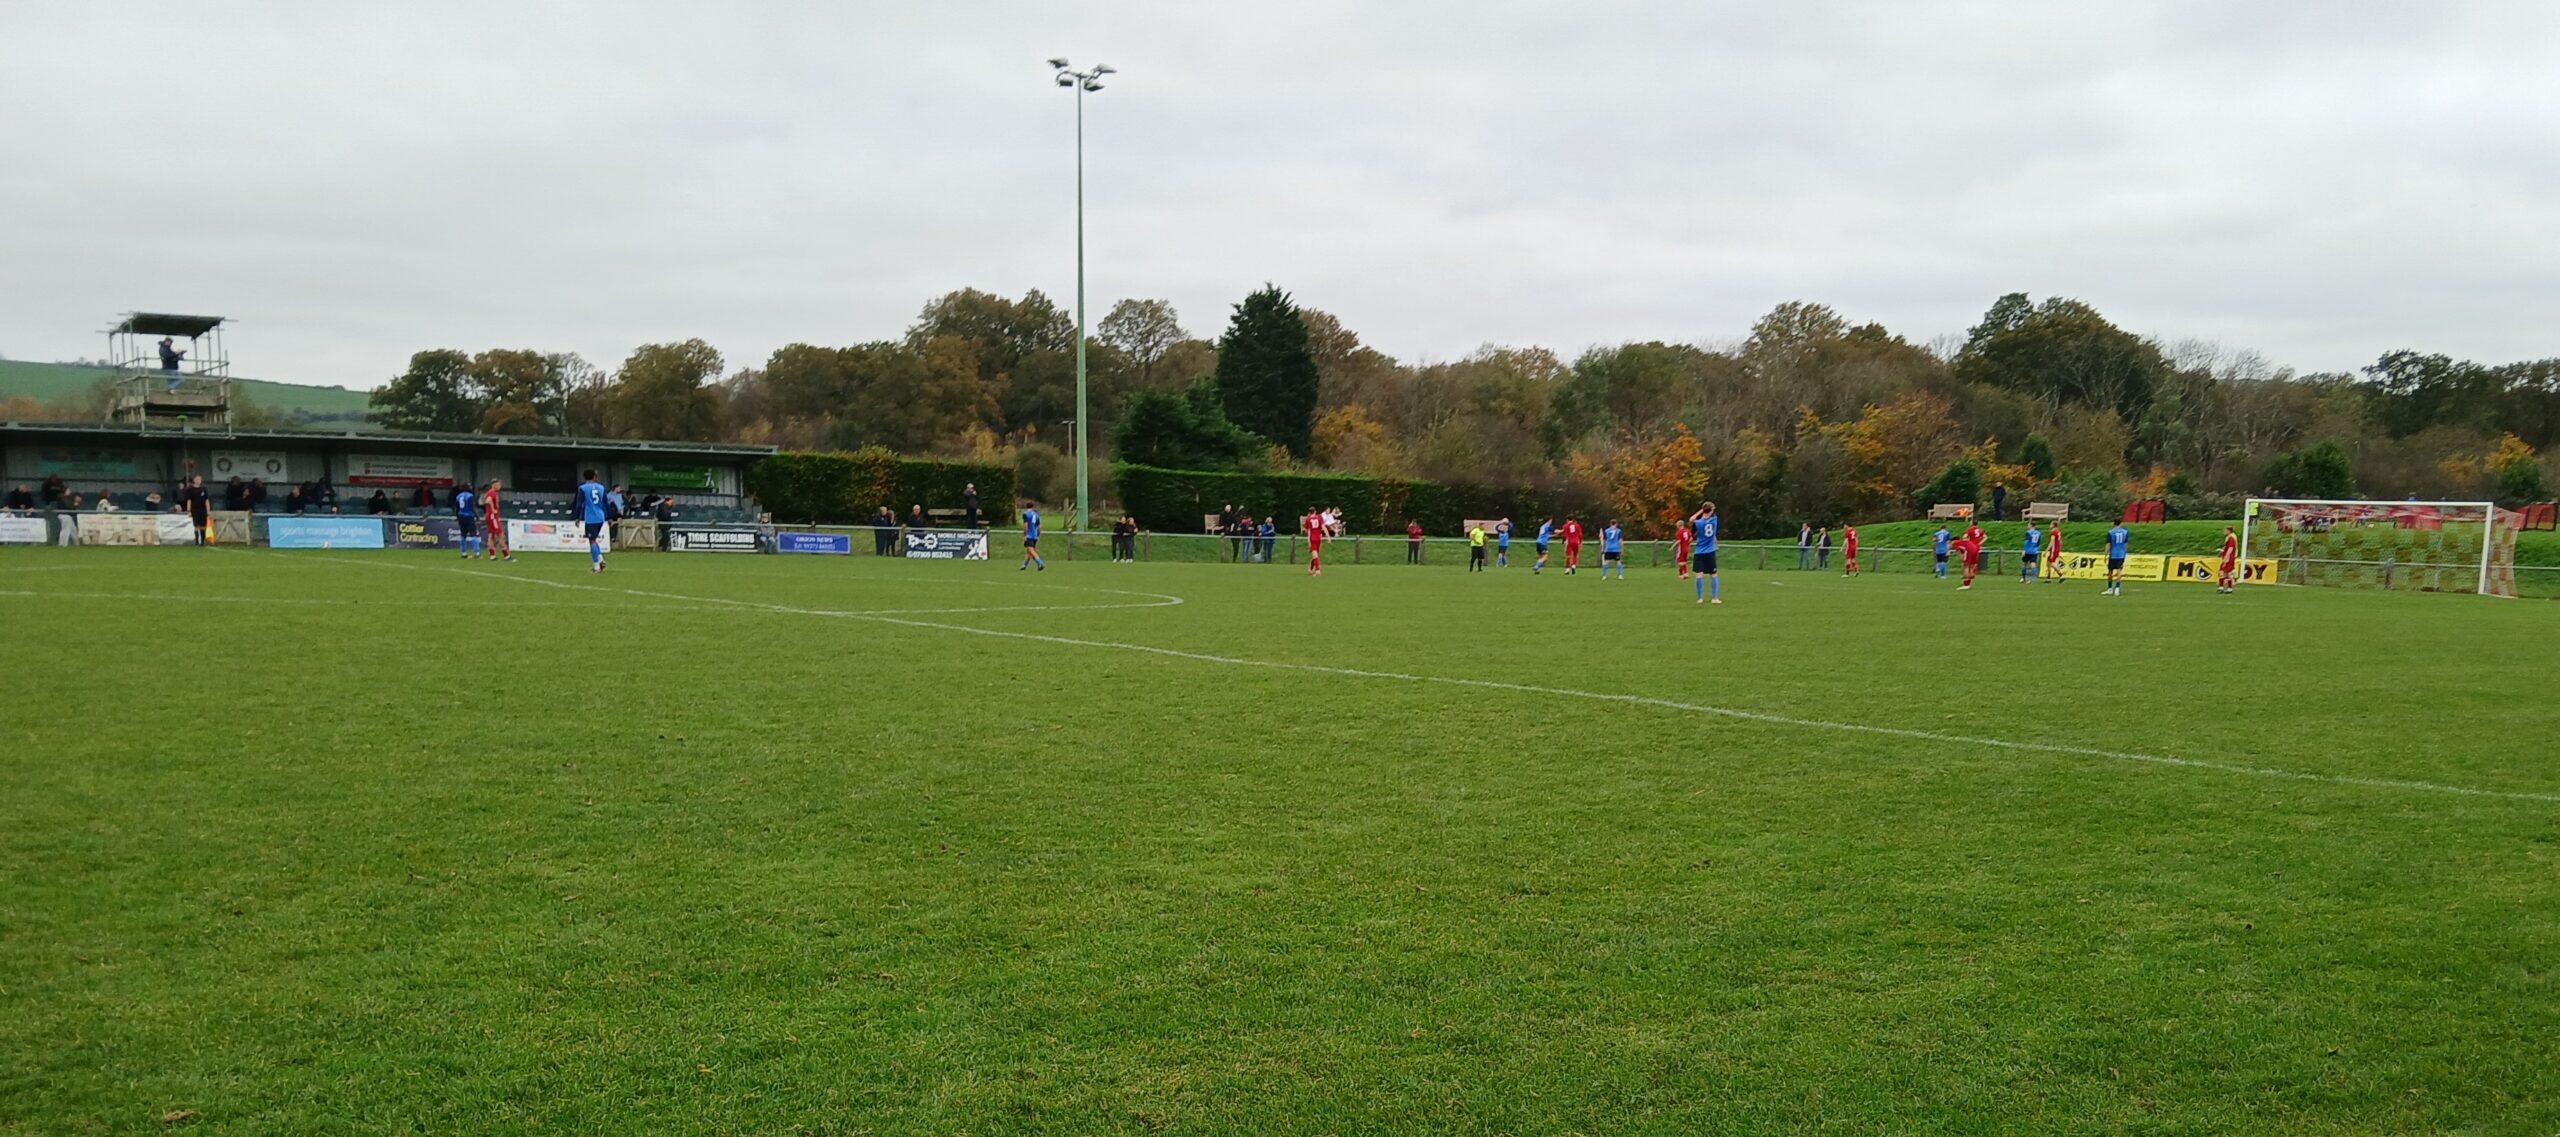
<point x="591" y="515"/>
<point x="1546" y="532"/>
<point x="1031" y="538"/>
<point x="466" y="520"/>
<point x="2027" y="562"/>
<point x="2116" y="539"/>
<point x="1939" y="542"/>
<point x="1702" y="554"/>
<point x="1613" y="550"/>
<point x="1502" y="543"/>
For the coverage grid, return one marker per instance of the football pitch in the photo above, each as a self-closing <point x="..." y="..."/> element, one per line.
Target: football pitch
<point x="315" y="842"/>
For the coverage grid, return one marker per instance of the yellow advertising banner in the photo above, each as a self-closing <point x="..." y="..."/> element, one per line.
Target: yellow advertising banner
<point x="2093" y="566"/>
<point x="2202" y="570"/>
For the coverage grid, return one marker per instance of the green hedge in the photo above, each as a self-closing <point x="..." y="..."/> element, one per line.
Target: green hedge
<point x="839" y="488"/>
<point x="1173" y="501"/>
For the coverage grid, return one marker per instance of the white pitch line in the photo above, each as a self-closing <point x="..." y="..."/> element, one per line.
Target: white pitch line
<point x="1559" y="692"/>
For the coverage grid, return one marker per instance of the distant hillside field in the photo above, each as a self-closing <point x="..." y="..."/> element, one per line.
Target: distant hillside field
<point x="54" y="382"/>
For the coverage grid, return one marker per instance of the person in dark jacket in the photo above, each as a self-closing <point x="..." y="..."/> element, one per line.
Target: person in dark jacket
<point x="969" y="506"/>
<point x="884" y="531"/>
<point x="22" y="498"/>
<point x="199" y="506"/>
<point x="257" y="493"/>
<point x="381" y="503"/>
<point x="235" y="494"/>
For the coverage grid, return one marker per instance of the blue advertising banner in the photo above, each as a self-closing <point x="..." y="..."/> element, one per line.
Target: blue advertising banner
<point x="838" y="543"/>
<point x="324" y="533"/>
<point x="425" y="533"/>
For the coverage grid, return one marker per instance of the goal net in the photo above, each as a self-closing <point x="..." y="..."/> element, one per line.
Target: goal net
<point x="2412" y="546"/>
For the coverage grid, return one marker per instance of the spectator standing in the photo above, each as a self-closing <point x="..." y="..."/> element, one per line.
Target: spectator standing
<point x="169" y="357"/>
<point x="235" y="494"/>
<point x="884" y="531"/>
<point x="969" y="506"/>
<point x="53" y="489"/>
<point x="69" y="526"/>
<point x="1999" y="498"/>
<point x="613" y="504"/>
<point x="1804" y="546"/>
<point x="1822" y="549"/>
<point x="1412" y="541"/>
<point x="666" y="516"/>
<point x="1269" y="535"/>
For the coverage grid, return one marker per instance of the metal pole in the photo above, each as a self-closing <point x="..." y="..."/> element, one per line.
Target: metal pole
<point x="1083" y="464"/>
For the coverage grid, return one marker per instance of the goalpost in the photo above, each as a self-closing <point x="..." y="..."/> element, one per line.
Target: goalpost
<point x="2423" y="546"/>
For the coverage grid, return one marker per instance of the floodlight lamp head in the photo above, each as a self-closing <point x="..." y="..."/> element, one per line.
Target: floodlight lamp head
<point x="1066" y="80"/>
<point x="1104" y="69"/>
<point x="1060" y="64"/>
<point x="1093" y="84"/>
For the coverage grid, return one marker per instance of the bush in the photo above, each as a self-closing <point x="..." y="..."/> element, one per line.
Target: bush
<point x="1173" y="501"/>
<point x="1042" y="473"/>
<point x="2520" y="482"/>
<point x="2089" y="493"/>
<point x="1959" y="484"/>
<point x="2319" y="470"/>
<point x="840" y="488"/>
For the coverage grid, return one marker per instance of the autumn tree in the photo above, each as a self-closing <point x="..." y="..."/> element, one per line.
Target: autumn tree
<point x="521" y="392"/>
<point x="1655" y="483"/>
<point x="435" y="394"/>
<point x="666" y="390"/>
<point x="1143" y="332"/>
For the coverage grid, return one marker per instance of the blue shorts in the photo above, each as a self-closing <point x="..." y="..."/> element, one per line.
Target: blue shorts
<point x="1542" y="548"/>
<point x="1031" y="542"/>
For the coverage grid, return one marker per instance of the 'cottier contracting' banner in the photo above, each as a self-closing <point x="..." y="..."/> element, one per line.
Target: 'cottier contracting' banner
<point x="552" y="537"/>
<point x="425" y="533"/>
<point x="947" y="544"/>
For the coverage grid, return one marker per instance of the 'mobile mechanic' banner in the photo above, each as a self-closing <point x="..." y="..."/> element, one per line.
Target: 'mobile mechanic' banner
<point x="324" y="533"/>
<point x="2093" y="566"/>
<point x="713" y="541"/>
<point x="2203" y="570"/>
<point x="426" y="533"/>
<point x="399" y="470"/>
<point x="21" y="530"/>
<point x="840" y="544"/>
<point x="553" y="537"/>
<point x="947" y="544"/>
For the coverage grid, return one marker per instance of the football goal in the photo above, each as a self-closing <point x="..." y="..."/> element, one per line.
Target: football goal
<point x="2417" y="546"/>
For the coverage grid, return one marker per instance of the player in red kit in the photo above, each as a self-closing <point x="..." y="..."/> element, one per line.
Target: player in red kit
<point x="1312" y="526"/>
<point x="1680" y="540"/>
<point x="1849" y="550"/>
<point x="2053" y="553"/>
<point x="2227" y="577"/>
<point x="1969" y="547"/>
<point x="495" y="524"/>
<point x="1572" y="544"/>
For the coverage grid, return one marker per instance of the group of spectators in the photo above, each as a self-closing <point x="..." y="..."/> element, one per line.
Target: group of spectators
<point x="886" y="524"/>
<point x="1248" y="540"/>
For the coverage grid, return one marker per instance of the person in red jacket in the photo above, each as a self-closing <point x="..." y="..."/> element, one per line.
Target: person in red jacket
<point x="1680" y="548"/>
<point x="1412" y="542"/>
<point x="1970" y="546"/>
<point x="1849" y="550"/>
<point x="1572" y="544"/>
<point x="2226" y="578"/>
<point x="1311" y="527"/>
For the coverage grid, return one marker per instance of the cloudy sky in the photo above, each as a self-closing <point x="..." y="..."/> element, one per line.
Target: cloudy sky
<point x="357" y="181"/>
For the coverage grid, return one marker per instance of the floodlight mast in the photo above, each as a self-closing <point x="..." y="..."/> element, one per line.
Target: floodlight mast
<point x="1082" y="81"/>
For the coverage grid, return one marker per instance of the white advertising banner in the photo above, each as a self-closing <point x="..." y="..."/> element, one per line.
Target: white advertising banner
<point x="176" y="529"/>
<point x="246" y="464"/>
<point x="21" y="530"/>
<point x="124" y="528"/>
<point x="399" y="470"/>
<point x="553" y="537"/>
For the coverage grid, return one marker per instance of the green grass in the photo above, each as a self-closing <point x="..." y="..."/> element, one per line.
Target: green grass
<point x="326" y="843"/>
<point x="55" y="382"/>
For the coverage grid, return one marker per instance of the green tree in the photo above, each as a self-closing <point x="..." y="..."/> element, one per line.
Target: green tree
<point x="2412" y="392"/>
<point x="1024" y="351"/>
<point x="807" y="383"/>
<point x="435" y="393"/>
<point x="522" y="392"/>
<point x="668" y="391"/>
<point x="2320" y="470"/>
<point x="1637" y="388"/>
<point x="2006" y="314"/>
<point x="2520" y="483"/>
<point x="2036" y="454"/>
<point x="1267" y="377"/>
<point x="1183" y="430"/>
<point x="2063" y="351"/>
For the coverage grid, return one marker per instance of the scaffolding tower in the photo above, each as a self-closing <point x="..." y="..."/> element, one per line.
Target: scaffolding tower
<point x="159" y="383"/>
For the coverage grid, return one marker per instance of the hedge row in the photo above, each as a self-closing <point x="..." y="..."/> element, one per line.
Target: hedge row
<point x="838" y="488"/>
<point x="1173" y="501"/>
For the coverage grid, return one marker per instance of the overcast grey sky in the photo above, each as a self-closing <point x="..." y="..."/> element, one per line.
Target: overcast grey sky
<point x="356" y="181"/>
